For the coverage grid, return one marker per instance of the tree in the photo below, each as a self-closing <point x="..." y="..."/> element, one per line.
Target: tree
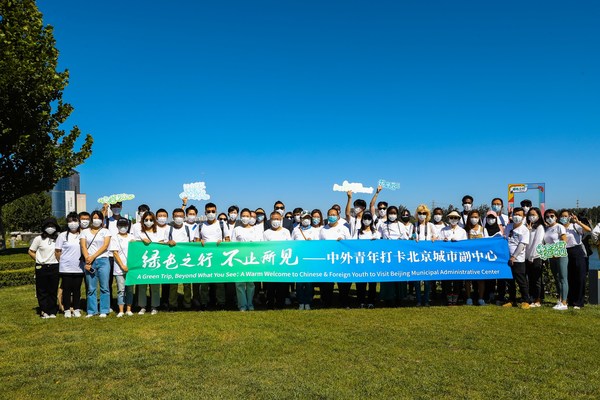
<point x="27" y="213"/>
<point x="34" y="152"/>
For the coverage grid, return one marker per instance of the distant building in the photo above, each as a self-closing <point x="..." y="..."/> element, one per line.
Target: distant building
<point x="81" y="202"/>
<point x="64" y="195"/>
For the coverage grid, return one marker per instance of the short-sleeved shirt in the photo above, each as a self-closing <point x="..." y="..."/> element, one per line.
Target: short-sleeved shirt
<point x="70" y="253"/>
<point x="120" y="244"/>
<point x="515" y="237"/>
<point x="574" y="234"/>
<point x="334" y="233"/>
<point x="554" y="233"/>
<point x="213" y="232"/>
<point x="450" y="234"/>
<point x="44" y="250"/>
<point x="178" y="235"/>
<point x="94" y="241"/>
<point x="368" y="235"/>
<point x="282" y="234"/>
<point x="249" y="234"/>
<point x="304" y="234"/>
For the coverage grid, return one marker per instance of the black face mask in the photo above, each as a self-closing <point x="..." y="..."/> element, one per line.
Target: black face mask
<point x="405" y="218"/>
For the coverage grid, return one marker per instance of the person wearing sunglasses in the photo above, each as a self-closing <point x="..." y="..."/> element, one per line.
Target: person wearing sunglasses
<point x="554" y="233"/>
<point x="575" y="229"/>
<point x="279" y="207"/>
<point x="424" y="231"/>
<point x="452" y="233"/>
<point x="213" y="230"/>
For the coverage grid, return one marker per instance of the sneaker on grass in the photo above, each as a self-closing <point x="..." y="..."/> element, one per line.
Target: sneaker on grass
<point x="102" y="315"/>
<point x="77" y="313"/>
<point x="142" y="311"/>
<point x="119" y="315"/>
<point x="129" y="314"/>
<point x="68" y="314"/>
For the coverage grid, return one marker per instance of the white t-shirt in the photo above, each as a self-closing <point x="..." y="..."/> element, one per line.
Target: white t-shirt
<point x="462" y="222"/>
<point x="98" y="241"/>
<point x="213" y="233"/>
<point x="111" y="225"/>
<point x="369" y="235"/>
<point x="334" y="233"/>
<point x="194" y="230"/>
<point x="516" y="236"/>
<point x="305" y="234"/>
<point x="44" y="250"/>
<point x="136" y="231"/>
<point x="355" y="224"/>
<point x="271" y="235"/>
<point x="596" y="232"/>
<point x="179" y="235"/>
<point x="554" y="233"/>
<point x="574" y="234"/>
<point x="154" y="237"/>
<point x="536" y="237"/>
<point x="478" y="233"/>
<point x="249" y="234"/>
<point x="390" y="230"/>
<point x="70" y="253"/>
<point x="425" y="231"/>
<point x="160" y="230"/>
<point x="120" y="244"/>
<point x="259" y="227"/>
<point x="437" y="228"/>
<point x="449" y="234"/>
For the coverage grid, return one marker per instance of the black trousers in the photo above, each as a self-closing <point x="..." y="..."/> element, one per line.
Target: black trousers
<point x="276" y="294"/>
<point x="326" y="291"/>
<point x="344" y="290"/>
<point x="71" y="286"/>
<point x="520" y="277"/>
<point x="111" y="277"/>
<point x="534" y="276"/>
<point x="576" y="276"/>
<point x="46" y="287"/>
<point x="361" y="293"/>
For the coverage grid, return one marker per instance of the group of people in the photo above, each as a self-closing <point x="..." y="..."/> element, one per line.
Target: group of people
<point x="94" y="249"/>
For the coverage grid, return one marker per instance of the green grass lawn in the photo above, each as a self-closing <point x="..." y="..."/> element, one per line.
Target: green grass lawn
<point x="436" y="352"/>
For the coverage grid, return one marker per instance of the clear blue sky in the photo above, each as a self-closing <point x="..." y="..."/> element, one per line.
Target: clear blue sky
<point x="267" y="100"/>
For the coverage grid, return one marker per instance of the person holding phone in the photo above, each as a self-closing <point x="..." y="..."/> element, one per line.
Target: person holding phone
<point x="576" y="252"/>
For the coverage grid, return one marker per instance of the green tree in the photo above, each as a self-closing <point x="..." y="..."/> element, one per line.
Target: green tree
<point x="34" y="152"/>
<point x="27" y="213"/>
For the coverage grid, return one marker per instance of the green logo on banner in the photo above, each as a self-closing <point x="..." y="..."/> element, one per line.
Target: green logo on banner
<point x="546" y="251"/>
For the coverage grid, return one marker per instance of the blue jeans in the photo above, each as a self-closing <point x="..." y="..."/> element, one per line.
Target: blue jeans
<point x="124" y="293"/>
<point x="245" y="295"/>
<point x="102" y="274"/>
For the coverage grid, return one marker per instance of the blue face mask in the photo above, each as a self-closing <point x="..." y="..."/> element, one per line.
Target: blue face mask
<point x="496" y="207"/>
<point x="316" y="221"/>
<point x="332" y="219"/>
<point x="564" y="220"/>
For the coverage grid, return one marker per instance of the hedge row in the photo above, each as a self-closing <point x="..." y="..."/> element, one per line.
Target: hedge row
<point x="19" y="277"/>
<point x="15" y="265"/>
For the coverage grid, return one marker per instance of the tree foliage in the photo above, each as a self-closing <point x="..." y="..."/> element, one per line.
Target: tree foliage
<point x="27" y="213"/>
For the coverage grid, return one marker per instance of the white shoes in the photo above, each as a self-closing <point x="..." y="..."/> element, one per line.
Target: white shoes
<point x="154" y="311"/>
<point x="102" y="315"/>
<point x="142" y="311"/>
<point x="301" y="307"/>
<point x="129" y="314"/>
<point x="77" y="313"/>
<point x="68" y="314"/>
<point x="307" y="306"/>
<point x="119" y="315"/>
<point x="560" y="307"/>
<point x="89" y="315"/>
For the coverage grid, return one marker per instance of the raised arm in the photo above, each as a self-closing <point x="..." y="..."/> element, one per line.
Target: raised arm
<point x="374" y="201"/>
<point x="348" y="205"/>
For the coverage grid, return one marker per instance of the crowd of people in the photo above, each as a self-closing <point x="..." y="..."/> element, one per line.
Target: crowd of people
<point x="93" y="249"/>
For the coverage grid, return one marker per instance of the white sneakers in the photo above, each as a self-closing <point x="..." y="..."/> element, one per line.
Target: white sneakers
<point x="47" y="316"/>
<point x="77" y="313"/>
<point x="560" y="306"/>
<point x="68" y="314"/>
<point x="102" y="315"/>
<point x="307" y="306"/>
<point x="301" y="307"/>
<point x="119" y="315"/>
<point x="154" y="311"/>
<point x="142" y="311"/>
<point x="129" y="314"/>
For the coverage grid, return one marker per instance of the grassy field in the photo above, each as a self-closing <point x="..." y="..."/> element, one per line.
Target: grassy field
<point x="435" y="352"/>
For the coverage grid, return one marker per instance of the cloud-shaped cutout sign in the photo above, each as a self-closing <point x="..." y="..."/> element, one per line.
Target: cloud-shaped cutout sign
<point x="194" y="191"/>
<point x="115" y="198"/>
<point x="354" y="186"/>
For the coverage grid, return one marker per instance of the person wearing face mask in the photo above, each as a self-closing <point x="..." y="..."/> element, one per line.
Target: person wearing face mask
<point x="305" y="231"/>
<point x="501" y="219"/>
<point x="334" y="230"/>
<point x="110" y="223"/>
<point x="191" y="218"/>
<point x="162" y="219"/>
<point x="179" y="232"/>
<point x="94" y="243"/>
<point x="232" y="217"/>
<point x="518" y="239"/>
<point x="276" y="291"/>
<point x="136" y="228"/>
<point x="367" y="231"/>
<point x="390" y="229"/>
<point x="68" y="254"/>
<point x="533" y="262"/>
<point x="296" y="217"/>
<point x="424" y="230"/>
<point x="475" y="230"/>
<point x="42" y="250"/>
<point x="526" y="206"/>
<point x="378" y="210"/>
<point x="341" y="220"/>
<point x="260" y="221"/>
<point x="149" y="234"/>
<point x="467" y="203"/>
<point x="259" y="227"/>
<point x="245" y="232"/>
<point x="438" y="222"/>
<point x="213" y="231"/>
<point x="354" y="212"/>
<point x="575" y="229"/>
<point x="119" y="246"/>
<point x="317" y="220"/>
<point x="556" y="232"/>
<point x="279" y="207"/>
<point x="452" y="233"/>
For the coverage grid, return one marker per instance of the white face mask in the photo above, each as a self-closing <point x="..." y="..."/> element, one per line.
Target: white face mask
<point x="392" y="217"/>
<point x="437" y="217"/>
<point x="123" y="229"/>
<point x="191" y="219"/>
<point x="116" y="211"/>
<point x="381" y="213"/>
<point x="178" y="221"/>
<point x="297" y="218"/>
<point x="245" y="220"/>
<point x="252" y="221"/>
<point x="96" y="223"/>
<point x="306" y="222"/>
<point x="550" y="220"/>
<point x="453" y="222"/>
<point x="260" y="218"/>
<point x="357" y="210"/>
<point x="532" y="218"/>
<point x="491" y="221"/>
<point x="161" y="220"/>
<point x="84" y="223"/>
<point x="232" y="217"/>
<point x="474" y="221"/>
<point x="526" y="210"/>
<point x="281" y="212"/>
<point x="276" y="223"/>
<point x="73" y="225"/>
<point x="148" y="224"/>
<point x="211" y="216"/>
<point x="467" y="206"/>
<point x="366" y="222"/>
<point x="421" y="218"/>
<point x="50" y="230"/>
<point x="517" y="219"/>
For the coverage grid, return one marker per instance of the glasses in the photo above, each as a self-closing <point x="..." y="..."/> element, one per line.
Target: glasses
<point x="382" y="208"/>
<point x="280" y="208"/>
<point x="148" y="220"/>
<point x="422" y="213"/>
<point x="223" y="219"/>
<point x="454" y="218"/>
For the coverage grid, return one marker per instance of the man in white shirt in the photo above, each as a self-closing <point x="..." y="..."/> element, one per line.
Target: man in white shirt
<point x="354" y="216"/>
<point x="276" y="291"/>
<point x="191" y="215"/>
<point x="213" y="231"/>
<point x="334" y="230"/>
<point x="517" y="234"/>
<point x="179" y="233"/>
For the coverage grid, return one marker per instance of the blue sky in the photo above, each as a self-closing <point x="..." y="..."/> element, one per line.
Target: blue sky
<point x="268" y="100"/>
